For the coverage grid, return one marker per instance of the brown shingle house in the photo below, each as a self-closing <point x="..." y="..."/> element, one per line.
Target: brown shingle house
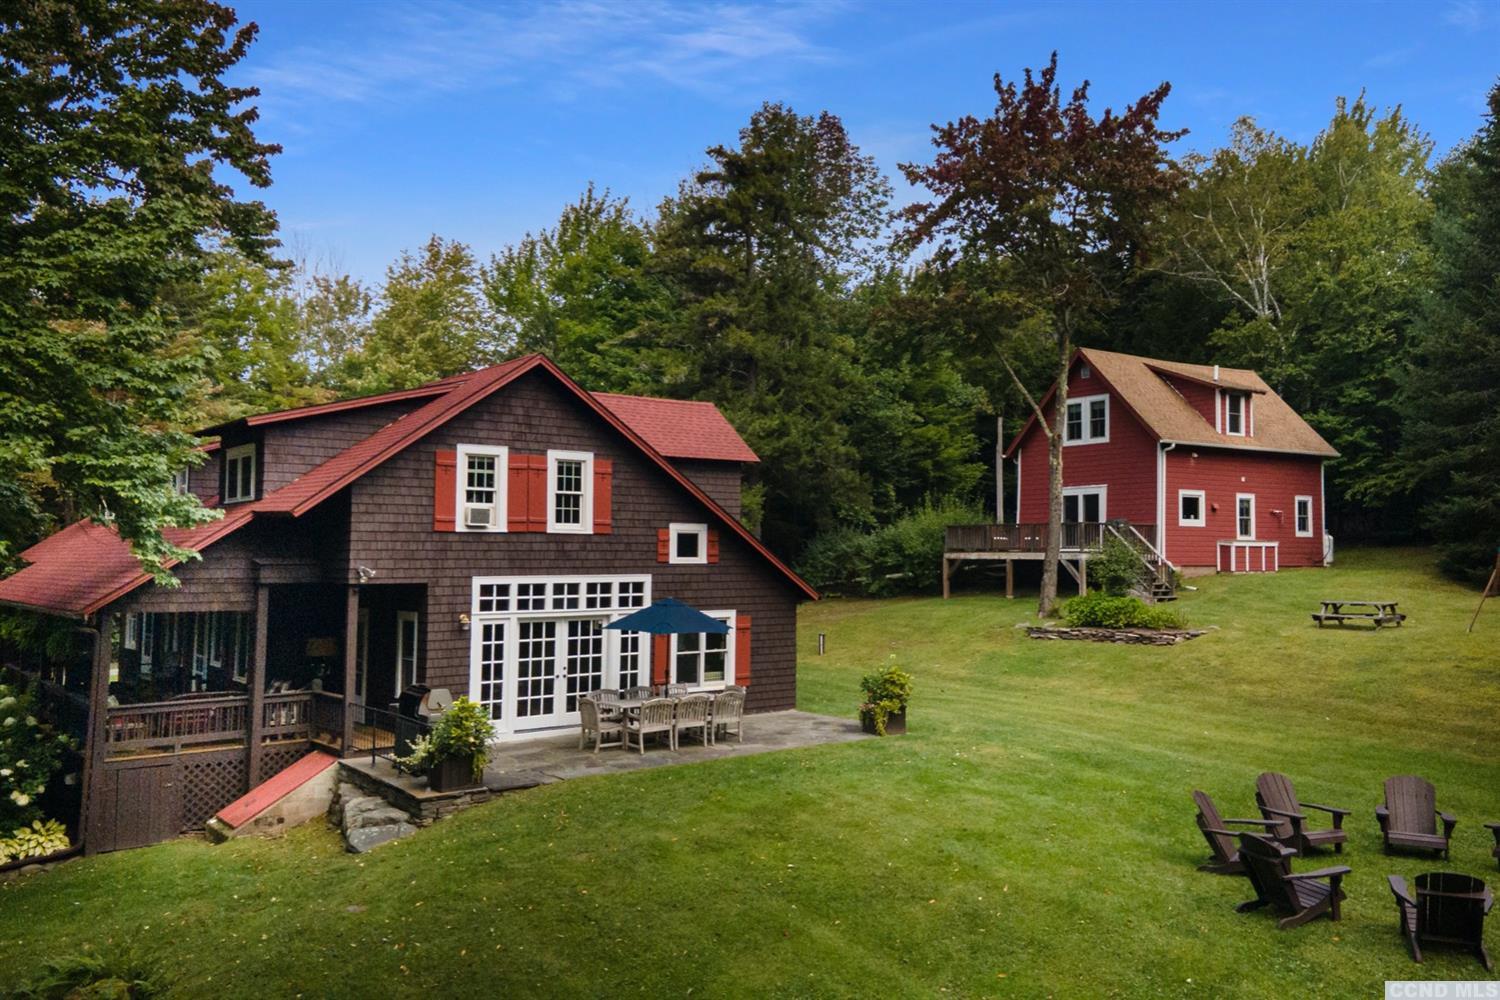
<point x="475" y="534"/>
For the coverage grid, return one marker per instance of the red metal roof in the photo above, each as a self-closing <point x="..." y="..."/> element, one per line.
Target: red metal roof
<point x="85" y="567"/>
<point x="680" y="428"/>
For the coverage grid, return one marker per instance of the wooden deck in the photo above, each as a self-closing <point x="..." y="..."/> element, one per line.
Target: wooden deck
<point x="1008" y="543"/>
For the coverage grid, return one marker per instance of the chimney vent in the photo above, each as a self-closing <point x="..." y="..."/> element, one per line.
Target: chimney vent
<point x="1216" y="373"/>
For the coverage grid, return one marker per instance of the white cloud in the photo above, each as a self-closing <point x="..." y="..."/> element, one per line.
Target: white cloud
<point x="1470" y="15"/>
<point x="558" y="50"/>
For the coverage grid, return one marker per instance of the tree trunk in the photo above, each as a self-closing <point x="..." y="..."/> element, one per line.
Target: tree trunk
<point x="1051" y="557"/>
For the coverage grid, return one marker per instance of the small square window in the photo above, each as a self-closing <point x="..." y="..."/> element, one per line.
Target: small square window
<point x="1190" y="509"/>
<point x="689" y="543"/>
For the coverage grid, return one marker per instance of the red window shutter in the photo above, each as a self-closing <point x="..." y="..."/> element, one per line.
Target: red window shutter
<point x="663" y="545"/>
<point x="515" y="493"/>
<point x="742" y="650"/>
<point x="713" y="546"/>
<point x="445" y="491"/>
<point x="536" y="493"/>
<point x="604" y="475"/>
<point x="661" y="655"/>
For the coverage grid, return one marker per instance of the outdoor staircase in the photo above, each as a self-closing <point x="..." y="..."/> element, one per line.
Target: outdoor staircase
<point x="1156" y="574"/>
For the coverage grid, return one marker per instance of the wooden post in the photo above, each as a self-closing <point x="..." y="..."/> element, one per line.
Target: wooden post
<point x="97" y="735"/>
<point x="999" y="469"/>
<point x="1010" y="584"/>
<point x="351" y="652"/>
<point x="256" y="682"/>
<point x="1083" y="575"/>
<point x="945" y="577"/>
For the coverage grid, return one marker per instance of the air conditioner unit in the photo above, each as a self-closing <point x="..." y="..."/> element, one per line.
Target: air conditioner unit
<point x="478" y="516"/>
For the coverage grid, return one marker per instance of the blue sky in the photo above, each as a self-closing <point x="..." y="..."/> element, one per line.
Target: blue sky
<point x="479" y="121"/>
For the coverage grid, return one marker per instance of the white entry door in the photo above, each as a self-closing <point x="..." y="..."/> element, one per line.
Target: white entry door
<point x="558" y="660"/>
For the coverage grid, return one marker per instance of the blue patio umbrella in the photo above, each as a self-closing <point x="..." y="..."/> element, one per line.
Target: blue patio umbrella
<point x="669" y="617"/>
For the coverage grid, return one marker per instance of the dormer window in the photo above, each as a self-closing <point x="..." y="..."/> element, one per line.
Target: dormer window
<point x="1235" y="404"/>
<point x="239" y="473"/>
<point x="1087" y="420"/>
<point x="482" y="481"/>
<point x="180" y="481"/>
<point x="570" y="478"/>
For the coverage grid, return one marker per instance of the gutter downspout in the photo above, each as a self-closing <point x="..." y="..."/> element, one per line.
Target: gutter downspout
<point x="1161" y="499"/>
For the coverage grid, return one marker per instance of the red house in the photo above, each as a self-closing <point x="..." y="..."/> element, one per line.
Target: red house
<point x="1213" y="468"/>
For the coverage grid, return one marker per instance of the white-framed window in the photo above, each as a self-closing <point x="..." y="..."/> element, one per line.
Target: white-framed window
<point x="481" y="493"/>
<point x="1192" y="507"/>
<point x="704" y="659"/>
<point x="1085" y="504"/>
<point x="181" y="480"/>
<point x="1087" y="420"/>
<point x="1244" y="515"/>
<point x="238" y="631"/>
<point x="132" y="630"/>
<point x="148" y="643"/>
<point x="687" y="543"/>
<point x="239" y="473"/>
<point x="408" y="639"/>
<point x="537" y="596"/>
<point x="1302" y="514"/>
<point x="1235" y="404"/>
<point x="570" y="491"/>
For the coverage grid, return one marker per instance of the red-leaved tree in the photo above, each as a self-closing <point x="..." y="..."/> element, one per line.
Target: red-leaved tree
<point x="1060" y="201"/>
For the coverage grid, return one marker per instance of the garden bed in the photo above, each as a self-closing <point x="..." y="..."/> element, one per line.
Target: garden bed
<point x="1138" y="636"/>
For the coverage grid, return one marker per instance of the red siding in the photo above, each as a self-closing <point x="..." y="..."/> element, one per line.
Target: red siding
<point x="1199" y="397"/>
<point x="1276" y="480"/>
<point x="1126" y="463"/>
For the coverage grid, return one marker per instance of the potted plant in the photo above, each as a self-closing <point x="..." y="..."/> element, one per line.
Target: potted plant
<point x="886" y="693"/>
<point x="454" y="753"/>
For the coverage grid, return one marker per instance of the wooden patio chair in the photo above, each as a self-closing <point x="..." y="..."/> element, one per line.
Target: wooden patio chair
<point x="729" y="710"/>
<point x="1278" y="800"/>
<point x="1303" y="896"/>
<point x="1225" y="859"/>
<point x="676" y="690"/>
<point x="609" y="704"/>
<point x="1448" y="909"/>
<point x="638" y="693"/>
<point x="655" y="716"/>
<point x="1409" y="817"/>
<point x="692" y="713"/>
<point x="593" y="723"/>
<point x="1495" y="829"/>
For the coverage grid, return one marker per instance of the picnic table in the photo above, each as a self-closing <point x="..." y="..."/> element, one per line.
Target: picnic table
<point x="1377" y="613"/>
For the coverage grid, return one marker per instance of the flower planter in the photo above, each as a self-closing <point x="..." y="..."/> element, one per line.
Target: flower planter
<point x="895" y="723"/>
<point x="452" y="775"/>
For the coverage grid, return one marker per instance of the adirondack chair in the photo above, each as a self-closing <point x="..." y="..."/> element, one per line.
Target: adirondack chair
<point x="1408" y="818"/>
<point x="1301" y="895"/>
<point x="1448" y="909"/>
<point x="1278" y="800"/>
<point x="1225" y="858"/>
<point x="1495" y="829"/>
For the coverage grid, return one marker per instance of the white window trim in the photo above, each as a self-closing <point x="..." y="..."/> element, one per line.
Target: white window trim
<point x="1103" y="492"/>
<point x="1229" y="398"/>
<point x="728" y="618"/>
<point x="676" y="529"/>
<point x="501" y="455"/>
<point x="1296" y="502"/>
<point x="1237" y="498"/>
<point x="148" y="643"/>
<point x="182" y="480"/>
<point x="1202" y="519"/>
<point x="402" y="617"/>
<point x="232" y="456"/>
<point x="613" y="610"/>
<point x="1085" y="402"/>
<point x="132" y="629"/>
<point x="587" y="525"/>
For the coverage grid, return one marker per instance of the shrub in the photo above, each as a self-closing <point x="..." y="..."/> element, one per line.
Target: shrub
<point x="886" y="691"/>
<point x="34" y="841"/>
<point x="463" y="731"/>
<point x="118" y="975"/>
<point x="903" y="557"/>
<point x="30" y="754"/>
<point x="1116" y="568"/>
<point x="1100" y="610"/>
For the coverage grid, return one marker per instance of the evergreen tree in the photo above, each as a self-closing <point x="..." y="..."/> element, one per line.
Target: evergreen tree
<point x="1451" y="397"/>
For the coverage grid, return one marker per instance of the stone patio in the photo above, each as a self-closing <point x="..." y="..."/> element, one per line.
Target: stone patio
<point x="556" y="758"/>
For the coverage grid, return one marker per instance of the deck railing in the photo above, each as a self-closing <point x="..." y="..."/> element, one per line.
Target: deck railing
<point x="1031" y="537"/>
<point x="169" y="726"/>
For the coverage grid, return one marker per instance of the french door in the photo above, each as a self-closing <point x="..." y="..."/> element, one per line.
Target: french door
<point x="558" y="661"/>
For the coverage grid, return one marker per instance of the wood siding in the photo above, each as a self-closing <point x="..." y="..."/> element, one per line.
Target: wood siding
<point x="1199" y="397"/>
<point x="720" y="480"/>
<point x="1276" y="480"/>
<point x="294" y="447"/>
<point x="1126" y="463"/>
<point x="392" y="515"/>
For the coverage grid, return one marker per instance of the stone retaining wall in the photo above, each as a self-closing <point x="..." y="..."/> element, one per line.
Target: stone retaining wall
<point x="1136" y="636"/>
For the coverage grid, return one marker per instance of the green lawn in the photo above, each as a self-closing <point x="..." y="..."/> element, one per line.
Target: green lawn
<point x="1032" y="835"/>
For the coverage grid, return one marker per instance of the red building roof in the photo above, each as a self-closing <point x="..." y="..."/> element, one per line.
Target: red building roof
<point x="86" y="566"/>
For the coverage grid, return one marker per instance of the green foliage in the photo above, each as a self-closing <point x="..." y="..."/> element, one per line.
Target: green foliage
<point x="1451" y="396"/>
<point x="1116" y="568"/>
<point x="1100" y="610"/>
<point x="30" y="755"/>
<point x="463" y="732"/>
<point x="886" y="691"/>
<point x="119" y="974"/>
<point x="113" y="117"/>
<point x="40" y="838"/>
<point x="902" y="557"/>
